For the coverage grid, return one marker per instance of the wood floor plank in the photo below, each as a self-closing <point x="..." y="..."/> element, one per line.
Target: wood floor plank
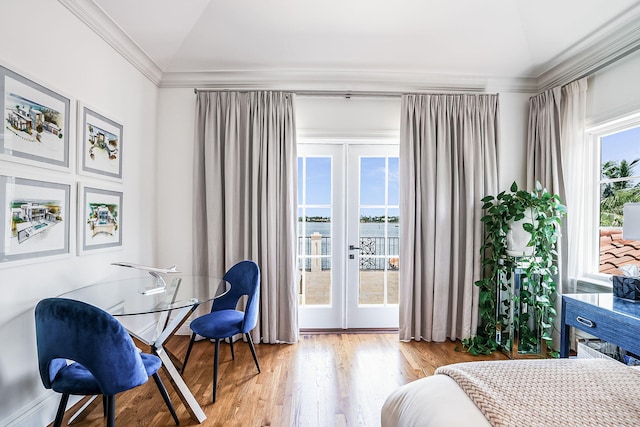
<point x="337" y="379"/>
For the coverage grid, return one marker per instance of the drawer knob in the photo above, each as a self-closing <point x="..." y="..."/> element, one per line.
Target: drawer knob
<point x="586" y="322"/>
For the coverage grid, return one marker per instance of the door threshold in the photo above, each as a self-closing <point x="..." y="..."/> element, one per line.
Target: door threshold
<point x="310" y="331"/>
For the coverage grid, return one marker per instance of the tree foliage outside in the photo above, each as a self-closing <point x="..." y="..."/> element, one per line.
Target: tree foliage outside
<point x="618" y="187"/>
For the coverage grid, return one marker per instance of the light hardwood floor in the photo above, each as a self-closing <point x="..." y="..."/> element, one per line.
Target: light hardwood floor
<point x="338" y="379"/>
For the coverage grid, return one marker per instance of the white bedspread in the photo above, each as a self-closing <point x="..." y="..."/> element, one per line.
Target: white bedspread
<point x="434" y="401"/>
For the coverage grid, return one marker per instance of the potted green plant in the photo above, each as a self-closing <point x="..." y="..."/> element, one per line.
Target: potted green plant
<point x="539" y="213"/>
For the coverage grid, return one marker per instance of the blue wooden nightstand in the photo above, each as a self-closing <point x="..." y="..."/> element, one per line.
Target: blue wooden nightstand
<point x="609" y="318"/>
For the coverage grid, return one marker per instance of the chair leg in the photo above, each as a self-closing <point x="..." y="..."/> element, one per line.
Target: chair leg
<point x="233" y="355"/>
<point x="186" y="357"/>
<point x="61" y="408"/>
<point x="111" y="411"/>
<point x="253" y="350"/>
<point x="105" y="408"/>
<point x="165" y="396"/>
<point x="215" y="369"/>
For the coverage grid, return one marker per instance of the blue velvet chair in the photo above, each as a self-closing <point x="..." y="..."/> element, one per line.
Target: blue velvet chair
<point x="103" y="358"/>
<point x="224" y="321"/>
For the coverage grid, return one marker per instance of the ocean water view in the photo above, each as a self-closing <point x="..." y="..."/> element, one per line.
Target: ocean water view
<point x="367" y="229"/>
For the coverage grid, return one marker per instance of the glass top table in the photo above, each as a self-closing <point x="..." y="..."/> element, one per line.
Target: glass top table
<point x="145" y="295"/>
<point x="152" y="308"/>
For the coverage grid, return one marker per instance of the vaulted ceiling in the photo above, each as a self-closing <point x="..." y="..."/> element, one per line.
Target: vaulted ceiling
<point x="341" y="44"/>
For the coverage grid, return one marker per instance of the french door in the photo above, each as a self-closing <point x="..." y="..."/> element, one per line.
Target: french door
<point x="348" y="236"/>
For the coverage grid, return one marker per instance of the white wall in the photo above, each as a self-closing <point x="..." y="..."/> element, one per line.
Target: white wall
<point x="176" y="124"/>
<point x="512" y="149"/>
<point x="341" y="116"/>
<point x="43" y="41"/>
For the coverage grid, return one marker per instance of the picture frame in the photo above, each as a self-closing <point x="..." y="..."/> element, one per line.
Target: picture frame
<point x="99" y="219"/>
<point x="35" y="217"/>
<point x="99" y="144"/>
<point x="35" y="122"/>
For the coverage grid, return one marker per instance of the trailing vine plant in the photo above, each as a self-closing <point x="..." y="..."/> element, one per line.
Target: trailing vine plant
<point x="538" y="290"/>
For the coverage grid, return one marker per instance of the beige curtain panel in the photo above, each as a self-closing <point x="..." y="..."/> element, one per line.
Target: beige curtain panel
<point x="245" y="168"/>
<point x="558" y="156"/>
<point x="448" y="162"/>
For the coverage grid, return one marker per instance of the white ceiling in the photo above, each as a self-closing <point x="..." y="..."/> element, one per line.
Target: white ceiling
<point x="422" y="40"/>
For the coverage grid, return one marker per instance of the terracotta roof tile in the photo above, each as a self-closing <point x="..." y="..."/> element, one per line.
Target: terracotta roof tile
<point x="615" y="252"/>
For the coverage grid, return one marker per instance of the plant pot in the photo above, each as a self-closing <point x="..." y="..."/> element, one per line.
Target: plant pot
<point x="518" y="238"/>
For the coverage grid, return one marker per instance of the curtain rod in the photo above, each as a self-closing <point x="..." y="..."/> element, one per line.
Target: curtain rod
<point x="348" y="94"/>
<point x="345" y="94"/>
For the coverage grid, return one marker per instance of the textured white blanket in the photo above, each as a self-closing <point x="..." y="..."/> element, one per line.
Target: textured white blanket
<point x="550" y="392"/>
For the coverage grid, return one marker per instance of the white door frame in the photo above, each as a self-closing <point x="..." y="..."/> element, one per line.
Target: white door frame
<point x="344" y="311"/>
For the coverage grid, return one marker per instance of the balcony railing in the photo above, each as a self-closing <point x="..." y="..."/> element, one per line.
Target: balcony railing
<point x="376" y="253"/>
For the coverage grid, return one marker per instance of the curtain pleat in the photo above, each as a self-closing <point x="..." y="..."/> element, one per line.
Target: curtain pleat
<point x="245" y="170"/>
<point x="448" y="162"/>
<point x="559" y="158"/>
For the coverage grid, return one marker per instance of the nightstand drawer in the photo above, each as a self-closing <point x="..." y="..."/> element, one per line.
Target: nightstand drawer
<point x="588" y="319"/>
<point x="606" y="324"/>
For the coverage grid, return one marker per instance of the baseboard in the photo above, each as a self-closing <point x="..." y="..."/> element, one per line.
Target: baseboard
<point x="310" y="331"/>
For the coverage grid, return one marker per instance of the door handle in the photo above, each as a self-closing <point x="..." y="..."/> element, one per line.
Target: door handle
<point x="353" y="248"/>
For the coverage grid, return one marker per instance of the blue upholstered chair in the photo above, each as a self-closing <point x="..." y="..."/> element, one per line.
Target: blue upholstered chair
<point x="103" y="358"/>
<point x="225" y="320"/>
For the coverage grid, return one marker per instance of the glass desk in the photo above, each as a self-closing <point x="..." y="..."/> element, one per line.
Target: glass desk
<point x="152" y="312"/>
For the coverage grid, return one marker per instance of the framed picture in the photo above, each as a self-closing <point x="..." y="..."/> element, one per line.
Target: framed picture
<point x="99" y="144"/>
<point x="35" y="219"/>
<point x="35" y="122"/>
<point x="99" y="219"/>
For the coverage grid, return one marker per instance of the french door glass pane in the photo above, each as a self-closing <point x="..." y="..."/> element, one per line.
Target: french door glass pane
<point x="314" y="230"/>
<point x="378" y="231"/>
<point x="393" y="251"/>
<point x="372" y="180"/>
<point x="371" y="283"/>
<point x="318" y="181"/>
<point x="392" y="286"/>
<point x="394" y="182"/>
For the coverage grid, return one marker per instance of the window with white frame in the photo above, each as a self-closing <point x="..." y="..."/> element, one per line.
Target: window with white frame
<point x="618" y="144"/>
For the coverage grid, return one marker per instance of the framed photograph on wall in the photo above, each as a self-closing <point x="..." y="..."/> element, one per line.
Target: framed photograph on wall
<point x="35" y="217"/>
<point x="35" y="122"/>
<point x="99" y="219"/>
<point x="99" y="144"/>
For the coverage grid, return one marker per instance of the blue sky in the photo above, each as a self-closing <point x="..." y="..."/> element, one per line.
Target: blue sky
<point x="372" y="177"/>
<point x="622" y="146"/>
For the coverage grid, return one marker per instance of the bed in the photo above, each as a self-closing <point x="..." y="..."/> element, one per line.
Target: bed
<point x="520" y="393"/>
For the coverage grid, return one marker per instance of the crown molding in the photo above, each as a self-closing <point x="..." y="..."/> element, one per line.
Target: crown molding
<point x="344" y="81"/>
<point x="97" y="20"/>
<point x="613" y="42"/>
